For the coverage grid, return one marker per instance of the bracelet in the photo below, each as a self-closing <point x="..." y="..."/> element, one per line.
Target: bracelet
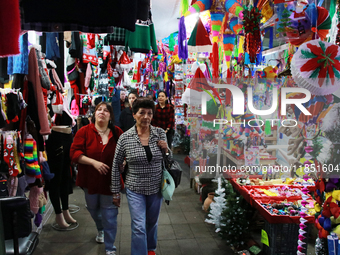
<point x="116" y="196"/>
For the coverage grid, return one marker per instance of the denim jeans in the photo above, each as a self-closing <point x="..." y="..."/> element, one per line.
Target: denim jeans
<point x="144" y="212"/>
<point x="104" y="214"/>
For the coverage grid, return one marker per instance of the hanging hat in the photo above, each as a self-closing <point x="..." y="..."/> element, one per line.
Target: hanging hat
<point x="125" y="62"/>
<point x="57" y="103"/>
<point x="199" y="40"/>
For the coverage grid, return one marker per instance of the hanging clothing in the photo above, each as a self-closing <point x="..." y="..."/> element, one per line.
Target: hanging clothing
<point x="19" y="63"/>
<point x="76" y="49"/>
<point x="115" y="38"/>
<point x="104" y="13"/>
<point x="4" y="77"/>
<point x="10" y="28"/>
<point x="52" y="46"/>
<point x="143" y="38"/>
<point x="34" y="78"/>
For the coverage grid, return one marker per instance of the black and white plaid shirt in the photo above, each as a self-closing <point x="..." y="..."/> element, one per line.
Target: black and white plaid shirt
<point x="143" y="177"/>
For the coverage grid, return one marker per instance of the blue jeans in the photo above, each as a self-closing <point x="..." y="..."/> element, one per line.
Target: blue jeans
<point x="144" y="212"/>
<point x="104" y="214"/>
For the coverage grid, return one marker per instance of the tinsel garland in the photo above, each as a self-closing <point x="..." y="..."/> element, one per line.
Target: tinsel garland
<point x="338" y="13"/>
<point x="251" y="22"/>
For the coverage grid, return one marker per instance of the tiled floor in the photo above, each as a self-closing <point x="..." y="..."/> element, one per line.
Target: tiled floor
<point x="181" y="230"/>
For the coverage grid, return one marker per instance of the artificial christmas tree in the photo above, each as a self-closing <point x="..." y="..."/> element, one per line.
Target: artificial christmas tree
<point x="285" y="22"/>
<point x="234" y="223"/>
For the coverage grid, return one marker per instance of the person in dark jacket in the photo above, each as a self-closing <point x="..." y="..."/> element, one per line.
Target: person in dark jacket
<point x="126" y="119"/>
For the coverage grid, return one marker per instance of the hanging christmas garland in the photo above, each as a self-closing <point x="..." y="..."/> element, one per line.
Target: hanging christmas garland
<point x="338" y="13"/>
<point x="251" y="22"/>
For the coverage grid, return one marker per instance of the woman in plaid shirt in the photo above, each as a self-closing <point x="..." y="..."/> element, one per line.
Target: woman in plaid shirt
<point x="142" y="147"/>
<point x="165" y="116"/>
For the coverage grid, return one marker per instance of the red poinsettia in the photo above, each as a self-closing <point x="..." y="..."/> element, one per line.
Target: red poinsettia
<point x="322" y="61"/>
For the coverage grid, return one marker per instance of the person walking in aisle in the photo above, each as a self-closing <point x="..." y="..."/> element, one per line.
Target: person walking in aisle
<point x="126" y="119"/>
<point x="165" y="116"/>
<point x="142" y="147"/>
<point x="93" y="149"/>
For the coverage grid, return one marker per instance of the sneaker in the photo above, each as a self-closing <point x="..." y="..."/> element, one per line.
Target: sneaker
<point x="151" y="253"/>
<point x="110" y="253"/>
<point x="100" y="237"/>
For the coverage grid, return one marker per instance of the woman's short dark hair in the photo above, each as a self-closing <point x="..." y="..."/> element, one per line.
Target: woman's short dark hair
<point x="134" y="93"/>
<point x="112" y="117"/>
<point x="143" y="102"/>
<point x="162" y="91"/>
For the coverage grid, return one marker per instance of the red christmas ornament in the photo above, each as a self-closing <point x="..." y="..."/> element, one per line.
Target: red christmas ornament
<point x="251" y="21"/>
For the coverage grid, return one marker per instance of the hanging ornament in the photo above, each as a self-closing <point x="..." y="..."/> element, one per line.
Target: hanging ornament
<point x="251" y="22"/>
<point x="338" y="34"/>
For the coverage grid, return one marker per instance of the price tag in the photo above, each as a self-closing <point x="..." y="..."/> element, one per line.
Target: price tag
<point x="264" y="238"/>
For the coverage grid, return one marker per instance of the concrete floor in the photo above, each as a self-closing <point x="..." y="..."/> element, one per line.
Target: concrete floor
<point x="181" y="231"/>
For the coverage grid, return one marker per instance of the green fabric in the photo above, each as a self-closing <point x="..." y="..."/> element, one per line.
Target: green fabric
<point x="236" y="47"/>
<point x="327" y="24"/>
<point x="332" y="8"/>
<point x="184" y="7"/>
<point x="268" y="129"/>
<point x="192" y="39"/>
<point x="142" y="40"/>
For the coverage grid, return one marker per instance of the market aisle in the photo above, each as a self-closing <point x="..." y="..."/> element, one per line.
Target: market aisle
<point x="181" y="228"/>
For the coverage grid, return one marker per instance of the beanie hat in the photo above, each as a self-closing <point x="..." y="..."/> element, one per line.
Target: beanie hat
<point x="57" y="103"/>
<point x="125" y="62"/>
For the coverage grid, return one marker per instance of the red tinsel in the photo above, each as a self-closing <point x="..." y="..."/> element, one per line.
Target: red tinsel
<point x="251" y="22"/>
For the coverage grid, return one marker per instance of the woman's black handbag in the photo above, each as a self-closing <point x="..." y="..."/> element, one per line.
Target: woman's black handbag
<point x="173" y="168"/>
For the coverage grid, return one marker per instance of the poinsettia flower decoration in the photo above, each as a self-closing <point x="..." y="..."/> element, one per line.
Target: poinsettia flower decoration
<point x="323" y="62"/>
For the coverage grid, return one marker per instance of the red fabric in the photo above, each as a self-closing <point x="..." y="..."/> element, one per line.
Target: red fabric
<point x="164" y="118"/>
<point x="91" y="41"/>
<point x="10" y="27"/>
<point x="82" y="89"/>
<point x="202" y="37"/>
<point x="138" y="71"/>
<point x="75" y="89"/>
<point x="8" y="157"/>
<point x="87" y="142"/>
<point x="122" y="105"/>
<point x="215" y="61"/>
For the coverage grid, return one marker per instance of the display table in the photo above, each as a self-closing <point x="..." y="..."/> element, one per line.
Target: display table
<point x="256" y="203"/>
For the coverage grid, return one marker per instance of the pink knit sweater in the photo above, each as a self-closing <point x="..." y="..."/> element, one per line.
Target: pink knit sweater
<point x="33" y="76"/>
